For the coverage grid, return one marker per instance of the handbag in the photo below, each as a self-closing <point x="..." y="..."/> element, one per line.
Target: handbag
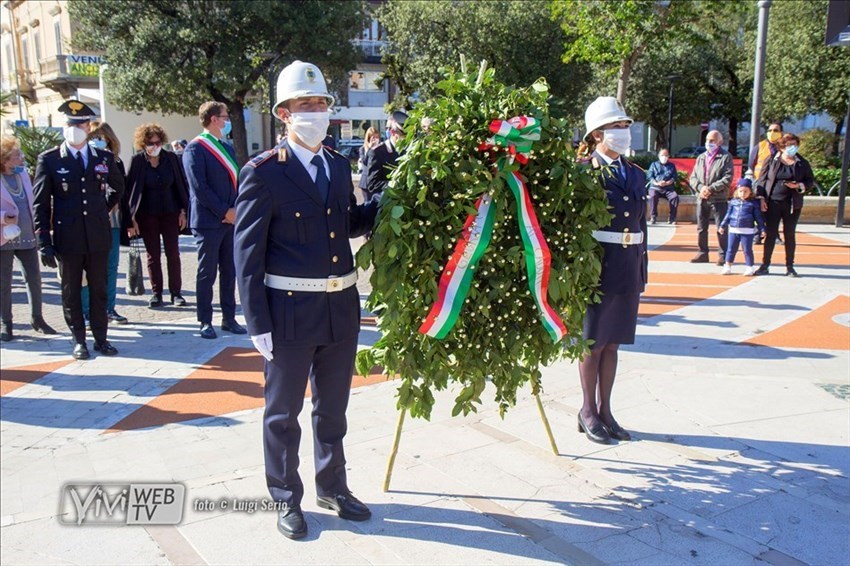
<point x="135" y="277"/>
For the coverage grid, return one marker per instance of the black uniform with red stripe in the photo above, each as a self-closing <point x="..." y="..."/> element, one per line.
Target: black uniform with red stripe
<point x="74" y="205"/>
<point x="284" y="228"/>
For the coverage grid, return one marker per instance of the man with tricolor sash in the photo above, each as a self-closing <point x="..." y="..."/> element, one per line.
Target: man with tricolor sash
<point x="212" y="172"/>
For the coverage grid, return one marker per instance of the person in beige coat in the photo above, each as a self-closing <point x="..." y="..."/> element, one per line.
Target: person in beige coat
<point x="710" y="181"/>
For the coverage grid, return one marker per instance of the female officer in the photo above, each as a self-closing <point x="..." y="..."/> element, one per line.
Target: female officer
<point x="612" y="321"/>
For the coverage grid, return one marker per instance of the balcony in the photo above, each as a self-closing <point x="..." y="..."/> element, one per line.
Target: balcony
<point x="56" y="75"/>
<point x="371" y="49"/>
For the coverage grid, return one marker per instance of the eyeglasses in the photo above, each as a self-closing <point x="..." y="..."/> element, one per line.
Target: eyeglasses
<point x="153" y="143"/>
<point x="225" y="117"/>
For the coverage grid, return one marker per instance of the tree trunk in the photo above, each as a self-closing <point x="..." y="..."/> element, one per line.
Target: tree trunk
<point x="660" y="137"/>
<point x="240" y="135"/>
<point x="733" y="134"/>
<point x="623" y="80"/>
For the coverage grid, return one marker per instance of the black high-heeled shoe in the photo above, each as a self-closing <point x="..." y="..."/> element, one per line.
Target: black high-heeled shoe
<point x="39" y="325"/>
<point x="598" y="433"/>
<point x="616" y="431"/>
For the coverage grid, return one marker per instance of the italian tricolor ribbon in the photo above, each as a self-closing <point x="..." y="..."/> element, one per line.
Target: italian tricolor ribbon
<point x="214" y="146"/>
<point x="516" y="137"/>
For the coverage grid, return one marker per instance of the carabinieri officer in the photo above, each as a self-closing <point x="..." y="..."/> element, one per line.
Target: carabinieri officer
<point x="75" y="187"/>
<point x="624" y="265"/>
<point x="295" y="213"/>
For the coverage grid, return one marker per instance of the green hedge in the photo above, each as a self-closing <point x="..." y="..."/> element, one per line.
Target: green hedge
<point x="825" y="178"/>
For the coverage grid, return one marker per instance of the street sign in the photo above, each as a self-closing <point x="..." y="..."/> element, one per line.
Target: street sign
<point x="22" y="123"/>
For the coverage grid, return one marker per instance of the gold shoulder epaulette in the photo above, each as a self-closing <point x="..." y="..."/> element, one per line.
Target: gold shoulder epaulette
<point x="260" y="159"/>
<point x="595" y="162"/>
<point x="281" y="155"/>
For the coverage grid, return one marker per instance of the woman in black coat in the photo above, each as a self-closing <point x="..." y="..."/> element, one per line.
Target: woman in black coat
<point x="781" y="193"/>
<point x="157" y="199"/>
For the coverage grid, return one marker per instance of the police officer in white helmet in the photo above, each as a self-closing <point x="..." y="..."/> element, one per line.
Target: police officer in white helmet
<point x="612" y="321"/>
<point x="295" y="212"/>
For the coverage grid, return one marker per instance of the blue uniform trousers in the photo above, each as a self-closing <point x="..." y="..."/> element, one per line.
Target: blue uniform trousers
<point x="329" y="368"/>
<point x="215" y="253"/>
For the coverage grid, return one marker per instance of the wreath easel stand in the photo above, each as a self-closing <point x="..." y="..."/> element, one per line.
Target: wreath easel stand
<point x="400" y="424"/>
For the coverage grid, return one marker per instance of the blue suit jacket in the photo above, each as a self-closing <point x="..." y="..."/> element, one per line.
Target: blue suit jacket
<point x="211" y="191"/>
<point x="283" y="228"/>
<point x="624" y="268"/>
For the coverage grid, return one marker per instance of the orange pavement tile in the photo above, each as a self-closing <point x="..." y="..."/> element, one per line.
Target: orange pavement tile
<point x="670" y="291"/>
<point x="13" y="378"/>
<point x="230" y="381"/>
<point x="813" y="330"/>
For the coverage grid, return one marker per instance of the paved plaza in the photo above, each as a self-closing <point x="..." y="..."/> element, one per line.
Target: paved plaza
<point x="737" y="392"/>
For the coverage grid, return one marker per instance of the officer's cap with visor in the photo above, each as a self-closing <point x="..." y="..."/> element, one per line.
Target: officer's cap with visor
<point x="300" y="80"/>
<point x="604" y="110"/>
<point x="76" y="112"/>
<point x="397" y="120"/>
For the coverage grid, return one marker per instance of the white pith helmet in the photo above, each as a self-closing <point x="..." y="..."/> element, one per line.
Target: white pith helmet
<point x="300" y="79"/>
<point x="603" y="110"/>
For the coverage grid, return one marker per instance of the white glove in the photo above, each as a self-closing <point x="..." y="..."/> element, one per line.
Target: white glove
<point x="263" y="344"/>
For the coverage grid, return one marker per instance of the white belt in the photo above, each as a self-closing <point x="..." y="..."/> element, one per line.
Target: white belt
<point x="312" y="285"/>
<point x="625" y="238"/>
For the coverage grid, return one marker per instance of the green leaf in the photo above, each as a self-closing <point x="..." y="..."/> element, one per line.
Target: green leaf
<point x="397" y="212"/>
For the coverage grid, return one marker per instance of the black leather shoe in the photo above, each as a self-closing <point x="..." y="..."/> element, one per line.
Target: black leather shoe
<point x="155" y="302"/>
<point x="791" y="272"/>
<point x="105" y="348"/>
<point x="39" y="325"/>
<point x="699" y="258"/>
<point x="616" y="431"/>
<point x="207" y="331"/>
<point x="763" y="270"/>
<point x="177" y="300"/>
<point x="81" y="352"/>
<point x="6" y="332"/>
<point x="346" y="506"/>
<point x="291" y="523"/>
<point x="598" y="433"/>
<point x="233" y="327"/>
<point x="721" y="262"/>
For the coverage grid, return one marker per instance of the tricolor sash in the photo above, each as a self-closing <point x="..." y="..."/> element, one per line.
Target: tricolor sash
<point x="217" y="149"/>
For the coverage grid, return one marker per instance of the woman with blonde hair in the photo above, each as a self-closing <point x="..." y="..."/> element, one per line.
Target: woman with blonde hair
<point x="102" y="137"/>
<point x="372" y="139"/>
<point x="158" y="200"/>
<point x="17" y="238"/>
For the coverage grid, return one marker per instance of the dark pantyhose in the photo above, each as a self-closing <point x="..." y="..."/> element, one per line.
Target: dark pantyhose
<point x="597" y="373"/>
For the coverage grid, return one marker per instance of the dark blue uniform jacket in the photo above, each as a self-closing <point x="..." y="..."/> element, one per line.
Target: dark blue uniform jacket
<point x="283" y="228"/>
<point x="211" y="192"/>
<point x="624" y="267"/>
<point x="75" y="204"/>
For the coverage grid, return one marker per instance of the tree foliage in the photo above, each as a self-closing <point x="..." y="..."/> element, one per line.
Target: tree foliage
<point x="498" y="336"/>
<point x="171" y="55"/>
<point x="802" y="75"/>
<point x="615" y="35"/>
<point x="518" y="38"/>
<point x="34" y="141"/>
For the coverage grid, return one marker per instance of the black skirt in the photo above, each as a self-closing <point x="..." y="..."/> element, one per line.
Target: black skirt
<point x="614" y="320"/>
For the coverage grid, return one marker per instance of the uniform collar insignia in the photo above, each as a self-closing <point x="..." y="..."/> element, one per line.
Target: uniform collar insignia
<point x="63" y="171"/>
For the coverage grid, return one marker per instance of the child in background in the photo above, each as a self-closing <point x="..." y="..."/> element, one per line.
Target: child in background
<point x="742" y="218"/>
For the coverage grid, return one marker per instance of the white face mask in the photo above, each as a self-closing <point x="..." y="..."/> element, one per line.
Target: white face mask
<point x="310" y="127"/>
<point x="11" y="231"/>
<point x="155" y="151"/>
<point x="74" y="135"/>
<point x="619" y="140"/>
<point x="663" y="159"/>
